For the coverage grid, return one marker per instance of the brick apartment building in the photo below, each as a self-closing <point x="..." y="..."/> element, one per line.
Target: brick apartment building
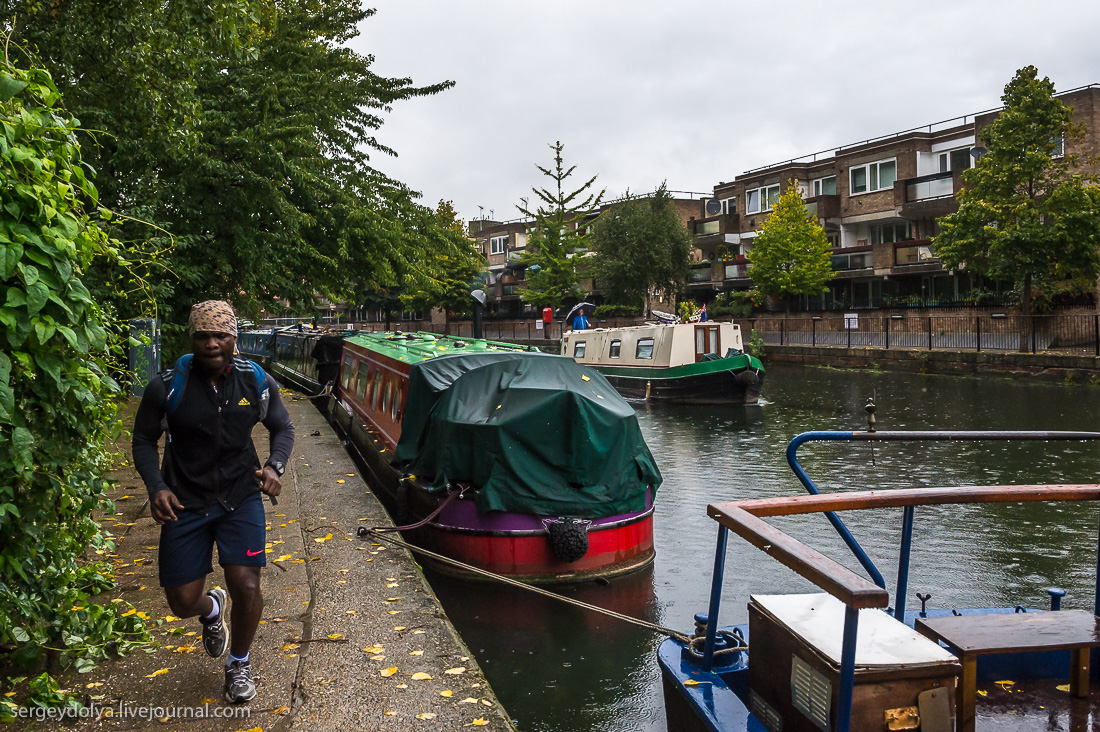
<point x="878" y="202"/>
<point x="502" y="243"/>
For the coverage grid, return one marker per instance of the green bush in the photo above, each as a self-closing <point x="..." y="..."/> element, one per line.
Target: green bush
<point x="58" y="404"/>
<point x="617" y="311"/>
<point x="756" y="345"/>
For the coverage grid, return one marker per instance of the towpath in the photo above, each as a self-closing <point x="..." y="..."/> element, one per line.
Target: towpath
<point x="352" y="636"/>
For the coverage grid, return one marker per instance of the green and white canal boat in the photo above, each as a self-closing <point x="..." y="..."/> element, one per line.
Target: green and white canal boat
<point x="684" y="363"/>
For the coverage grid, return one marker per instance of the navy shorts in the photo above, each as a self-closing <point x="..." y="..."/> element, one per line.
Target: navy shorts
<point x="187" y="544"/>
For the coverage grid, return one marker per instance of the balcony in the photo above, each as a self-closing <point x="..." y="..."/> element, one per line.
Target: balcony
<point x="846" y="261"/>
<point x="927" y="196"/>
<point x="714" y="230"/>
<point x="738" y="269"/>
<point x="825" y="206"/>
<point x="917" y="252"/>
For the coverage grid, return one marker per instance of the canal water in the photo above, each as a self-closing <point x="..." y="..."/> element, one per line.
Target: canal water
<point x="556" y="667"/>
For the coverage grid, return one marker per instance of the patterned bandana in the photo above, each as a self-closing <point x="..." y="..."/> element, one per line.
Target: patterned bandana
<point x="214" y="316"/>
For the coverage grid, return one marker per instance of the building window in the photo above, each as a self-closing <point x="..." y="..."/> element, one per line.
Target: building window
<point x="954" y="160"/>
<point x="412" y="315"/>
<point x="645" y="348"/>
<point x="765" y="196"/>
<point x="1059" y="146"/>
<point x="729" y="206"/>
<point x="497" y="244"/>
<point x="578" y="349"/>
<point x="890" y="233"/>
<point x="825" y="186"/>
<point x="521" y="241"/>
<point x="613" y="350"/>
<point x="873" y="176"/>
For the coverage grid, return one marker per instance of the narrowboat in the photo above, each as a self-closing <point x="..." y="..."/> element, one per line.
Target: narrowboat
<point x="684" y="363"/>
<point x="501" y="457"/>
<point x="850" y="656"/>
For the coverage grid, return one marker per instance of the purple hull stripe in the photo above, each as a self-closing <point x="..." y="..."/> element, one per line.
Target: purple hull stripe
<point x="463" y="514"/>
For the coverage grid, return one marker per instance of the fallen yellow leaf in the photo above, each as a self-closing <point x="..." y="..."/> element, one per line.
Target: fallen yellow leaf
<point x="289" y="647"/>
<point x="399" y="627"/>
<point x="128" y="613"/>
<point x="416" y="653"/>
<point x="426" y="715"/>
<point x="254" y="729"/>
<point x="395" y="612"/>
<point x="393" y="599"/>
<point x="86" y="686"/>
<point x="378" y="658"/>
<point x="1063" y="687"/>
<point x="171" y="618"/>
<point x="402" y="686"/>
<point x="350" y="475"/>
<point x="486" y="702"/>
<point x="456" y="670"/>
<point x="391" y="714"/>
<point x="324" y="538"/>
<point x="341" y="480"/>
<point x="447" y="693"/>
<point x="982" y="692"/>
<point x="421" y="676"/>
<point x="480" y="722"/>
<point x="335" y="636"/>
<point x="281" y="710"/>
<point x="377" y="648"/>
<point x="468" y="700"/>
<point x="285" y="557"/>
<point x="157" y="673"/>
<point x="388" y="671"/>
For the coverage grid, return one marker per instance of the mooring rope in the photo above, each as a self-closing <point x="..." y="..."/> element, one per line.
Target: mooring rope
<point x="409" y="527"/>
<point x="373" y="532"/>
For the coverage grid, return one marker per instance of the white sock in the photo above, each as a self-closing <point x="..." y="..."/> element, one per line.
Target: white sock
<point x="233" y="658"/>
<point x="213" y="613"/>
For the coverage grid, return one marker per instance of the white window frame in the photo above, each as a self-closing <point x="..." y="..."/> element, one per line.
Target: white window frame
<point x="819" y="186"/>
<point x="763" y="199"/>
<point x="579" y="347"/>
<point x="1059" y="146"/>
<point x="871" y="177"/>
<point x="729" y="205"/>
<point x="497" y="244"/>
<point x="521" y="240"/>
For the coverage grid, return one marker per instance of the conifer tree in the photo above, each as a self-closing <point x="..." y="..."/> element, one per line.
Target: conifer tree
<point x="556" y="235"/>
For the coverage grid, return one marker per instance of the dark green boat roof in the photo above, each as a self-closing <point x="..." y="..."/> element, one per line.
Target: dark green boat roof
<point x="421" y="346"/>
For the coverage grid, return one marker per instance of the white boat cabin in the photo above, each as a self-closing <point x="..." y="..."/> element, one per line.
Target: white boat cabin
<point x="655" y="346"/>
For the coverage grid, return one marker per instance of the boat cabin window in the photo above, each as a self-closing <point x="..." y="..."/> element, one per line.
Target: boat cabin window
<point x="387" y="392"/>
<point x="645" y="348"/>
<point x="613" y="350"/>
<point x="376" y="390"/>
<point x="578" y="349"/>
<point x="348" y="363"/>
<point x="361" y="382"/>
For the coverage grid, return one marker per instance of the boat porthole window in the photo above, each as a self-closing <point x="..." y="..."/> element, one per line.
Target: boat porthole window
<point x="361" y="382"/>
<point x="377" y="390"/>
<point x="396" y="412"/>
<point x="645" y="348"/>
<point x="578" y="349"/>
<point x="616" y="346"/>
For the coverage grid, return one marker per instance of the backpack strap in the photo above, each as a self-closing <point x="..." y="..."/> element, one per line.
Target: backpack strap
<point x="175" y="379"/>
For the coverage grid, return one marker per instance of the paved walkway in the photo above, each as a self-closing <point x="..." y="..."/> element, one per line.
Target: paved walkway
<point x="352" y="636"/>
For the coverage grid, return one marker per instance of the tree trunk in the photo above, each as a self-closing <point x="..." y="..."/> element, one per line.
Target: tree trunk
<point x="1025" y="315"/>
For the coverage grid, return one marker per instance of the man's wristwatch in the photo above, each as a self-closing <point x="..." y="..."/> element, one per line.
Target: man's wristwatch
<point x="278" y="467"/>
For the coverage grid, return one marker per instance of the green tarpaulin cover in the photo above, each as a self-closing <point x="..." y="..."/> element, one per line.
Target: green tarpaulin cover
<point x="534" y="433"/>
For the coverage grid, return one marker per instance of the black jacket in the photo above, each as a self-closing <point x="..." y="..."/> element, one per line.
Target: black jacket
<point x="209" y="456"/>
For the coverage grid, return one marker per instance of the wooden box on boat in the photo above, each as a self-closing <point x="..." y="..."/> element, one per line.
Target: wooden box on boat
<point x="796" y="645"/>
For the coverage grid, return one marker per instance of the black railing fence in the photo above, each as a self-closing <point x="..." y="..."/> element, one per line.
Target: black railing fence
<point x="1068" y="334"/>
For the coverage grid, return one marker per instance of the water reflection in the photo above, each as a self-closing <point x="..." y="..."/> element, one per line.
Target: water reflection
<point x="559" y="668"/>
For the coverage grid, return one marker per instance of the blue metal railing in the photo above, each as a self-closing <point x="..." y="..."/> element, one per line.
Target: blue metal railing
<point x="872" y="435"/>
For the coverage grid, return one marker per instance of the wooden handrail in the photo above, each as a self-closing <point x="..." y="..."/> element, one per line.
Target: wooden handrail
<point x="837" y="580"/>
<point x="744" y="518"/>
<point x="901" y="497"/>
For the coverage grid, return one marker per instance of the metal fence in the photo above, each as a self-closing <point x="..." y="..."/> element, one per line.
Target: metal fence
<point x="1067" y="334"/>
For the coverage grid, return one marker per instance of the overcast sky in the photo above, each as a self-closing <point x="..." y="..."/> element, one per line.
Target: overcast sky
<point x="691" y="92"/>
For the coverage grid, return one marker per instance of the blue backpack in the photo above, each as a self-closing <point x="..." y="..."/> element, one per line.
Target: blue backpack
<point x="175" y="379"/>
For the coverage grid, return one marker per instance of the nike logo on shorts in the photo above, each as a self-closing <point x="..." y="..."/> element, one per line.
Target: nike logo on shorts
<point x="251" y="553"/>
